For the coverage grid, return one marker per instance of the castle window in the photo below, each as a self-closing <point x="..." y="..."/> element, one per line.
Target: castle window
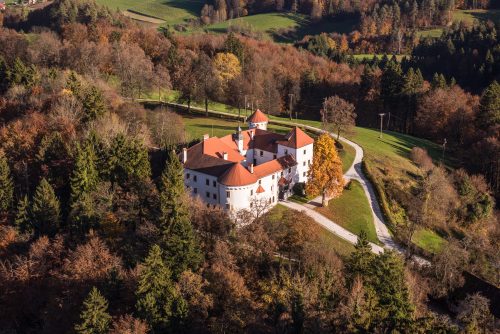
<point x="289" y="170"/>
<point x="304" y="151"/>
<point x="214" y="196"/>
<point x="273" y="198"/>
<point x="309" y="162"/>
<point x="304" y="163"/>
<point x="188" y="176"/>
<point x="286" y="152"/>
<point x="304" y="174"/>
<point x="261" y="153"/>
<point x="195" y="190"/>
<point x="274" y="156"/>
<point x="214" y="184"/>
<point x="251" y="192"/>
<point x="195" y="178"/>
<point x="273" y="176"/>
<point x="260" y="182"/>
<point x="207" y="182"/>
<point x="208" y="194"/>
<point x="228" y="194"/>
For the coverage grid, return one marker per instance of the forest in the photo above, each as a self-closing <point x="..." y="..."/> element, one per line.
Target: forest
<point x="97" y="234"/>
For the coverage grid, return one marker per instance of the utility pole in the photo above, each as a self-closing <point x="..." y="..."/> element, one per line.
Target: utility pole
<point x="290" y="97"/>
<point x="245" y="106"/>
<point x="444" y="147"/>
<point x="388" y="121"/>
<point x="381" y="124"/>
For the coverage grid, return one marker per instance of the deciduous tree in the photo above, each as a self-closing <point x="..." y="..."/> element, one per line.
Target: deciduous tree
<point x="325" y="175"/>
<point x="337" y="114"/>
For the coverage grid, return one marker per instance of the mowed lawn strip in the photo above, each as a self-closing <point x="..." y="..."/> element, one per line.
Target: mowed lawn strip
<point x="352" y="211"/>
<point x="428" y="240"/>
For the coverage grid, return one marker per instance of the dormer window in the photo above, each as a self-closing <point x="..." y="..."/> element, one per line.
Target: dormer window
<point x="261" y="153"/>
<point x="304" y="151"/>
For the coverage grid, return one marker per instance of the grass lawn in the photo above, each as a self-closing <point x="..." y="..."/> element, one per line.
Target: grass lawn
<point x="352" y="211"/>
<point x="197" y="125"/>
<point x="347" y="155"/>
<point x="341" y="246"/>
<point x="170" y="11"/>
<point x="280" y="27"/>
<point x="428" y="240"/>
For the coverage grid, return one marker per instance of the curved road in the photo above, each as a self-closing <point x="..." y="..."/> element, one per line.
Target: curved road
<point x="355" y="172"/>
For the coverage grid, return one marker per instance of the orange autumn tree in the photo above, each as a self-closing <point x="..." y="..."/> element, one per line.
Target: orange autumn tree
<point x="325" y="175"/>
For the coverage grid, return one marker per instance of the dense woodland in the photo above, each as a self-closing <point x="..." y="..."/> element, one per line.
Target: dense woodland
<point x="98" y="236"/>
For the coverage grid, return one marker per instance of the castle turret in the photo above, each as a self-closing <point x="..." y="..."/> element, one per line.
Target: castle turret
<point x="258" y="120"/>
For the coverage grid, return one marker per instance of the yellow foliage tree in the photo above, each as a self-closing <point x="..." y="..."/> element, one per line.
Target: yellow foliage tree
<point x="227" y="66"/>
<point x="325" y="175"/>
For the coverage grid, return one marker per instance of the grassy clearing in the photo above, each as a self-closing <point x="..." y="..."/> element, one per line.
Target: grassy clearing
<point x="468" y="16"/>
<point x="170" y="11"/>
<point x="428" y="240"/>
<point x="331" y="240"/>
<point x="347" y="154"/>
<point x="280" y="27"/>
<point x="196" y="126"/>
<point x="352" y="211"/>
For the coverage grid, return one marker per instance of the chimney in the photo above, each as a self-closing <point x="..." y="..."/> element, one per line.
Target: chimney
<point x="251" y="168"/>
<point x="184" y="155"/>
<point x="224" y="155"/>
<point x="205" y="136"/>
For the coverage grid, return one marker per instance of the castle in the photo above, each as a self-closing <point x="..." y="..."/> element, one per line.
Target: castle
<point x="253" y="165"/>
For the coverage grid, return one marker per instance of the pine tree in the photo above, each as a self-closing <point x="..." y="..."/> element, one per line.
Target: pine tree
<point x="93" y="104"/>
<point x="359" y="263"/>
<point x="17" y="72"/>
<point x="438" y="81"/>
<point x="128" y="158"/>
<point x="22" y="220"/>
<point x="388" y="281"/>
<point x="85" y="176"/>
<point x="158" y="301"/>
<point x="325" y="176"/>
<point x="94" y="318"/>
<point x="489" y="108"/>
<point x="179" y="241"/>
<point x="6" y="184"/>
<point x="74" y="84"/>
<point x="45" y="209"/>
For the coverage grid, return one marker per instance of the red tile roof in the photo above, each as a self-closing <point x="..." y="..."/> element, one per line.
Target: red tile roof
<point x="260" y="190"/>
<point x="296" y="139"/>
<point x="237" y="175"/>
<point x="258" y="117"/>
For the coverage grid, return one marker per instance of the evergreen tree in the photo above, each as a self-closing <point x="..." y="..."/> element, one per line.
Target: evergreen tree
<point x="158" y="301"/>
<point x="17" y="72"/>
<point x="489" y="108"/>
<point x="438" y="81"/>
<point x="45" y="209"/>
<point x="94" y="318"/>
<point x="74" y="84"/>
<point x="6" y="184"/>
<point x="179" y="241"/>
<point x="391" y="86"/>
<point x="395" y="310"/>
<point x="85" y="176"/>
<point x="93" y="104"/>
<point x="360" y="261"/>
<point x="127" y="158"/>
<point x="4" y="80"/>
<point x="22" y="220"/>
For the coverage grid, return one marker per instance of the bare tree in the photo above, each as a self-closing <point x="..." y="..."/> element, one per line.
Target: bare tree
<point x="337" y="114"/>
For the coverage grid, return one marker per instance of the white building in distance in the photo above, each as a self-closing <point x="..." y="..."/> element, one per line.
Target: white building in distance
<point x="253" y="165"/>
